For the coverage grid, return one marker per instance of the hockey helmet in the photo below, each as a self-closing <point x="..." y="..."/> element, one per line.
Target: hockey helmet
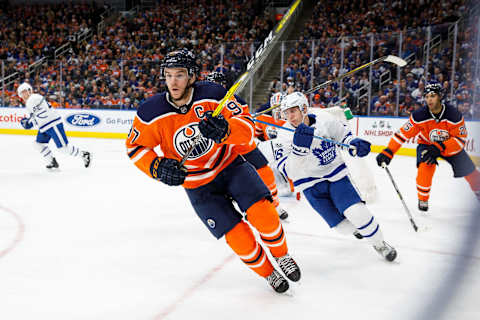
<point x="180" y="59"/>
<point x="24" y="86"/>
<point x="433" y="88"/>
<point x="217" y="77"/>
<point x="295" y="99"/>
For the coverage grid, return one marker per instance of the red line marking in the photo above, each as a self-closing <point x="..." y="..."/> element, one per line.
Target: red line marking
<point x="169" y="309"/>
<point x="18" y="236"/>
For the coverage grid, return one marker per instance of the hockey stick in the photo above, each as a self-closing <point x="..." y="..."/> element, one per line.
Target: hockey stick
<point x="348" y="146"/>
<point x="384" y="166"/>
<point x="215" y="113"/>
<point x="256" y="114"/>
<point x="392" y="59"/>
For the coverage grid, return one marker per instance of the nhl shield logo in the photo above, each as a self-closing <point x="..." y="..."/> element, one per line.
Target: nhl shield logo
<point x="211" y="223"/>
<point x="438" y="135"/>
<point x="184" y="137"/>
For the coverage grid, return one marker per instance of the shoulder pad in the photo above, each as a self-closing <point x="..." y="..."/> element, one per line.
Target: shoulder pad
<point x="208" y="90"/>
<point x="421" y="114"/>
<point x="154" y="106"/>
<point x="34" y="99"/>
<point x="452" y="114"/>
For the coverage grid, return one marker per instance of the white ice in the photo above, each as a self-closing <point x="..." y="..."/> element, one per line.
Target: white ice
<point x="109" y="243"/>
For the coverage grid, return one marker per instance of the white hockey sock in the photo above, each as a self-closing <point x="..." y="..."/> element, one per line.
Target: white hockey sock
<point x="345" y="227"/>
<point x="44" y="151"/>
<point x="365" y="222"/>
<point x="71" y="150"/>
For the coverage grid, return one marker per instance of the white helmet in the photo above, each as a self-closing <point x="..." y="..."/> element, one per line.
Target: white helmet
<point x="24" y="86"/>
<point x="295" y="99"/>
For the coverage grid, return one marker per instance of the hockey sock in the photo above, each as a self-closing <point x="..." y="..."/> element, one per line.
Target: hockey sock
<point x="71" y="150"/>
<point x="345" y="227"/>
<point x="424" y="180"/>
<point x="243" y="243"/>
<point x="365" y="222"/>
<point x="266" y="173"/>
<point x="474" y="180"/>
<point x="44" y="151"/>
<point x="263" y="216"/>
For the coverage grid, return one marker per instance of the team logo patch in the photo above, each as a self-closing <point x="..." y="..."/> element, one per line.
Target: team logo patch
<point x="439" y="135"/>
<point x="326" y="153"/>
<point x="184" y="137"/>
<point x="83" y="120"/>
<point x="211" y="223"/>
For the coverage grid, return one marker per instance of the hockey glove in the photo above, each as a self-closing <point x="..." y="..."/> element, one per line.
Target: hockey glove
<point x="384" y="157"/>
<point x="431" y="153"/>
<point x="363" y="147"/>
<point x="303" y="136"/>
<point x="25" y="122"/>
<point x="215" y="128"/>
<point x="168" y="171"/>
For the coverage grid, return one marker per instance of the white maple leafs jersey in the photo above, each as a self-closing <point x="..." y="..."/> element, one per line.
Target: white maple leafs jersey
<point x="323" y="161"/>
<point x="42" y="114"/>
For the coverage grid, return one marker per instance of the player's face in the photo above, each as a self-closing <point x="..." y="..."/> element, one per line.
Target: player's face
<point x="432" y="100"/>
<point x="294" y="116"/>
<point x="177" y="80"/>
<point x="25" y="94"/>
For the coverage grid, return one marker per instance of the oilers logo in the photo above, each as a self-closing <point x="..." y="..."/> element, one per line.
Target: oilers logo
<point x="184" y="137"/>
<point x="326" y="153"/>
<point x="438" y="135"/>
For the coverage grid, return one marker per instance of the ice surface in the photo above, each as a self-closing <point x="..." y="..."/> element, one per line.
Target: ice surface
<point x="109" y="243"/>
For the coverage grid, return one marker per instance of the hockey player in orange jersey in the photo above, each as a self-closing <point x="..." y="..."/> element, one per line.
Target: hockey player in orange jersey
<point x="214" y="174"/>
<point x="441" y="133"/>
<point x="254" y="156"/>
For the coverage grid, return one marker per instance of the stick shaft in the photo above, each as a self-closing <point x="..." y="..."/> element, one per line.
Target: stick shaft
<point x="316" y="137"/>
<point x="401" y="199"/>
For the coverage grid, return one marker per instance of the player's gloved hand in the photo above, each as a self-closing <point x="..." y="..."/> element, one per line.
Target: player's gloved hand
<point x="215" y="128"/>
<point x="363" y="147"/>
<point x="431" y="153"/>
<point x="384" y="157"/>
<point x="26" y="123"/>
<point x="168" y="171"/>
<point x="303" y="136"/>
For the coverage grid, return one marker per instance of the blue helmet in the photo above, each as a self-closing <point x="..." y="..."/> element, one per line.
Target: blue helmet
<point x="180" y="59"/>
<point x="433" y="88"/>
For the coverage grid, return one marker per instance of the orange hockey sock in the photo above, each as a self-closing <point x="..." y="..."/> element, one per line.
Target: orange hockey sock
<point x="263" y="216"/>
<point x="243" y="243"/>
<point x="424" y="180"/>
<point x="266" y="173"/>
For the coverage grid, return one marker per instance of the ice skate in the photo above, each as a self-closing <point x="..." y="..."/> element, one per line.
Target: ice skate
<point x="277" y="281"/>
<point x="289" y="267"/>
<point x="386" y="251"/>
<point x="52" y="165"/>
<point x="86" y="158"/>
<point x="422" y="205"/>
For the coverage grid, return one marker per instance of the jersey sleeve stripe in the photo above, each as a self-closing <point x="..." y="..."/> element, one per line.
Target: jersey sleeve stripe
<point x="459" y="142"/>
<point x="460" y="139"/>
<point x="135" y="150"/>
<point x="140" y="155"/>
<point x="400" y="137"/>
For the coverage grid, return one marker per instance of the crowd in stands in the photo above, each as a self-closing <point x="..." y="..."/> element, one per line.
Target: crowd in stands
<point x="119" y="67"/>
<point x="354" y="26"/>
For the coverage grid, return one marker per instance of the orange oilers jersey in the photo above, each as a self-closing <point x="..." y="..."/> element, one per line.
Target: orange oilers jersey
<point x="158" y="123"/>
<point x="261" y="129"/>
<point x="448" y="130"/>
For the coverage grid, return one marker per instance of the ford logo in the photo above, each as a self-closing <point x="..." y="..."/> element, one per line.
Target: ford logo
<point x="83" y="120"/>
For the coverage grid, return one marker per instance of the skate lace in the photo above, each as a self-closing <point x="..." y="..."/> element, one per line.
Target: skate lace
<point x="287" y="264"/>
<point x="275" y="279"/>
